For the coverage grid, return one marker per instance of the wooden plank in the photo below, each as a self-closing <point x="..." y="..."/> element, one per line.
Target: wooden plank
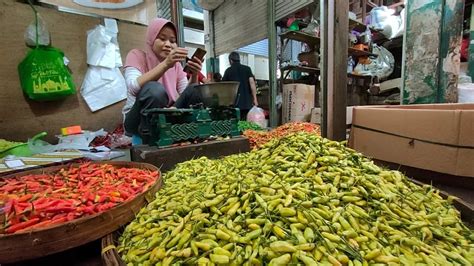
<point x="68" y="32"/>
<point x="302" y="37"/>
<point x="301" y="69"/>
<point x="356" y="25"/>
<point x="167" y="158"/>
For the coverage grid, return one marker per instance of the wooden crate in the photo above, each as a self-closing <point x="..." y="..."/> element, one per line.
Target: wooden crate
<point x="166" y="158"/>
<point x="49" y="240"/>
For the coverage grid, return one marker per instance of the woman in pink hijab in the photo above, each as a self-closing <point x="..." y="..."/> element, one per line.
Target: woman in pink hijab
<point x="155" y="77"/>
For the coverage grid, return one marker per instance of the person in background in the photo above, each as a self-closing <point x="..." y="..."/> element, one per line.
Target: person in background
<point x="247" y="93"/>
<point x="217" y="77"/>
<point x="155" y="77"/>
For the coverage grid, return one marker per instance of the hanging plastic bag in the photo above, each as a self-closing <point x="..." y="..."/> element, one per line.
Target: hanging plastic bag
<point x="43" y="72"/>
<point x="44" y="76"/>
<point x="103" y="83"/>
<point x="43" y="33"/>
<point x="257" y="115"/>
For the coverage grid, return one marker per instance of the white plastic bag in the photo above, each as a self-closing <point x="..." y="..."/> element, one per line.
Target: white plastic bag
<point x="103" y="87"/>
<point x="382" y="66"/>
<point x="43" y="33"/>
<point x="103" y="83"/>
<point x="466" y="93"/>
<point x="257" y="115"/>
<point x="382" y="18"/>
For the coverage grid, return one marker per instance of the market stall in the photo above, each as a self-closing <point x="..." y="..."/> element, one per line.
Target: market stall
<point x="200" y="183"/>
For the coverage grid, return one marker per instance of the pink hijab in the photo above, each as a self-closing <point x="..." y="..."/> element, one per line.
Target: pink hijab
<point x="147" y="60"/>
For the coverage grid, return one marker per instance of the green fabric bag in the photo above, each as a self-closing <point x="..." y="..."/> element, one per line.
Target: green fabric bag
<point x="43" y="75"/>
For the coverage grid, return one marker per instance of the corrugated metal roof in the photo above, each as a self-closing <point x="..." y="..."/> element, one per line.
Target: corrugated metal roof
<point x="284" y="8"/>
<point x="239" y="23"/>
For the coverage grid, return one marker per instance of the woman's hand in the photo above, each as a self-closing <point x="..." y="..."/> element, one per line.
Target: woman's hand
<point x="194" y="65"/>
<point x="177" y="54"/>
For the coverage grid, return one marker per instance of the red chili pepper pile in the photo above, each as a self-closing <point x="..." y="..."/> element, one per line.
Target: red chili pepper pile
<point x="259" y="138"/>
<point x="40" y="200"/>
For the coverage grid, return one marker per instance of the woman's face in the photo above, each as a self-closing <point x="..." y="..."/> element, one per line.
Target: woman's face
<point x="165" y="42"/>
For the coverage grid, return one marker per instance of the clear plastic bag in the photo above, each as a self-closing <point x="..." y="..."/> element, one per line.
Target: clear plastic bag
<point x="43" y="33"/>
<point x="382" y="66"/>
<point x="257" y="115"/>
<point x="78" y="141"/>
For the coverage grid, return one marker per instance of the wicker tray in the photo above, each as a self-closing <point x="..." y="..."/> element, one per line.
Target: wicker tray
<point x="42" y="242"/>
<point x="111" y="257"/>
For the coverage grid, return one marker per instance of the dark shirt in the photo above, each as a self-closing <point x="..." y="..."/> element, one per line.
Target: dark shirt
<point x="241" y="73"/>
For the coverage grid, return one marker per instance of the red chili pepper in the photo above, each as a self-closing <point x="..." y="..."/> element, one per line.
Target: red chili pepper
<point x="23" y="225"/>
<point x="35" y="226"/>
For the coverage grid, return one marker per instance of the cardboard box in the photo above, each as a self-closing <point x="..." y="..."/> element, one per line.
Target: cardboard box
<point x="316" y="115"/>
<point x="298" y="99"/>
<point x="436" y="137"/>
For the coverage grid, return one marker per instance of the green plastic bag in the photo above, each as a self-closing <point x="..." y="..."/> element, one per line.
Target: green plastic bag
<point x="43" y="75"/>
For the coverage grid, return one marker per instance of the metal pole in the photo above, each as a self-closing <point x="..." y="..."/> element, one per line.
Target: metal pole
<point x="272" y="61"/>
<point x="324" y="67"/>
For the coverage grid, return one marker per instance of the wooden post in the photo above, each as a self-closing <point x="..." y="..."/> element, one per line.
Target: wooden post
<point x="335" y="25"/>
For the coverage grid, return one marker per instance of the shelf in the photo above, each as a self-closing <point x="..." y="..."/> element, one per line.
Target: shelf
<point x="301" y="69"/>
<point x="359" y="53"/>
<point x="356" y="25"/>
<point x="302" y="37"/>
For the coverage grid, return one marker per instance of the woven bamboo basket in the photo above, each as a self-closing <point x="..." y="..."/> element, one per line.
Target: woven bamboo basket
<point x="45" y="241"/>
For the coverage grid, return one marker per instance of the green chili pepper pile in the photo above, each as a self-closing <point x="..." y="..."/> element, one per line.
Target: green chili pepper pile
<point x="301" y="199"/>
<point x="248" y="125"/>
<point x="5" y="144"/>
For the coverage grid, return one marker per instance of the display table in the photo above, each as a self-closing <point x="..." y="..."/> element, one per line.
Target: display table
<point x="166" y="158"/>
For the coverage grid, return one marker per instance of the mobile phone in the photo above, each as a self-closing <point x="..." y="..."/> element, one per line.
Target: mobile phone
<point x="199" y="53"/>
